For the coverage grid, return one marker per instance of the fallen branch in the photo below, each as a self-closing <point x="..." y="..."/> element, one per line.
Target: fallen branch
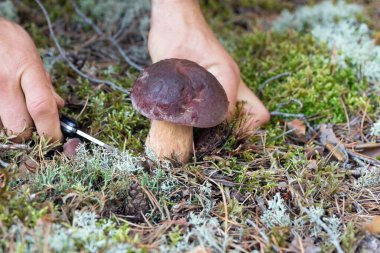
<point x="363" y="158"/>
<point x="71" y="65"/>
<point x="100" y="33"/>
<point x="363" y="145"/>
<point x="14" y="146"/>
<point x="338" y="151"/>
<point x="262" y="86"/>
<point x="288" y="115"/>
<point x="292" y="115"/>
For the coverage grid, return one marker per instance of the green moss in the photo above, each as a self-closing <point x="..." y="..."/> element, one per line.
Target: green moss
<point x="108" y="115"/>
<point x="313" y="80"/>
<point x="18" y="206"/>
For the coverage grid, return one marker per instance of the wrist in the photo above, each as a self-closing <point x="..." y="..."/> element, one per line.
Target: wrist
<point x="175" y="9"/>
<point x="171" y="2"/>
<point x="173" y="14"/>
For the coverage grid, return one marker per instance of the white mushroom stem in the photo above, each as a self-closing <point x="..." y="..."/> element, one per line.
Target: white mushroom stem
<point x="168" y="140"/>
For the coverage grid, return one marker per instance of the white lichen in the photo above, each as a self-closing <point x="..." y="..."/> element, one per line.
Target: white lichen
<point x="354" y="46"/>
<point x="206" y="196"/>
<point x="113" y="160"/>
<point x="61" y="240"/>
<point x="370" y="177"/>
<point x="276" y="214"/>
<point x="110" y="12"/>
<point x="203" y="231"/>
<point x="375" y="130"/>
<point x="87" y="232"/>
<point x="325" y="13"/>
<point x="8" y="10"/>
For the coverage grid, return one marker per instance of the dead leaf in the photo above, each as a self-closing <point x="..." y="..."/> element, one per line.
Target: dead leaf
<point x="298" y="126"/>
<point x="328" y="135"/>
<point x="70" y="147"/>
<point x="28" y="165"/>
<point x="312" y="152"/>
<point x="374" y="226"/>
<point x="372" y="151"/>
<point x="331" y="142"/>
<point x="306" y="245"/>
<point x="336" y="152"/>
<point x="312" y="165"/>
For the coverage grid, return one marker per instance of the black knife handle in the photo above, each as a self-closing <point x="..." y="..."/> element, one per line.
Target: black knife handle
<point x="69" y="126"/>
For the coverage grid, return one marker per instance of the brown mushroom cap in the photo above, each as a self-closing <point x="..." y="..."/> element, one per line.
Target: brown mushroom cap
<point x="181" y="92"/>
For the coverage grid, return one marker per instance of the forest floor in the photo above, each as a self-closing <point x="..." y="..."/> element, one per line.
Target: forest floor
<point x="306" y="182"/>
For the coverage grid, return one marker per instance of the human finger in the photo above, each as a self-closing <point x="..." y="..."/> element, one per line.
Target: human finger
<point x="13" y="113"/>
<point x="256" y="113"/>
<point x="60" y="102"/>
<point x="228" y="79"/>
<point x="40" y="102"/>
<point x="58" y="99"/>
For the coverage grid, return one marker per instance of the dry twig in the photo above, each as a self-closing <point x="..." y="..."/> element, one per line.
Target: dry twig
<point x="262" y="86"/>
<point x="71" y="65"/>
<point x="100" y="33"/>
<point x="14" y="146"/>
<point x="287" y="115"/>
<point x="363" y="158"/>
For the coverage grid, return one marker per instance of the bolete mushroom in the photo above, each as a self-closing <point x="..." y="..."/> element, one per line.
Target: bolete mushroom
<point x="177" y="95"/>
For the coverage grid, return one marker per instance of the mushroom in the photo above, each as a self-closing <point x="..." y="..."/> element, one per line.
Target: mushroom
<point x="177" y="95"/>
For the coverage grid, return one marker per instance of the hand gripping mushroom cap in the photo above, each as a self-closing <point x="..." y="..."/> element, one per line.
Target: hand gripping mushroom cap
<point x="181" y="92"/>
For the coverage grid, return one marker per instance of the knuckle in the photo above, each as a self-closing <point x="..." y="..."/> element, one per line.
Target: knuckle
<point x="6" y="71"/>
<point x="41" y="107"/>
<point x="234" y="68"/>
<point x="4" y="76"/>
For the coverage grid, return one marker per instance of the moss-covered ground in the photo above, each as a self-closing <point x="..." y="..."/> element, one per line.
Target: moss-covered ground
<point x="283" y="189"/>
